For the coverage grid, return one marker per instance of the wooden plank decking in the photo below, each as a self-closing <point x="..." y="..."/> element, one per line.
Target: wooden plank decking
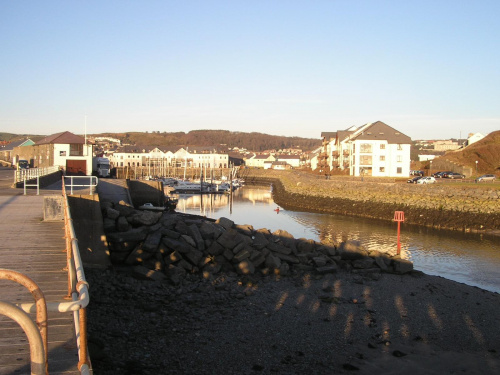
<point x="35" y="248"/>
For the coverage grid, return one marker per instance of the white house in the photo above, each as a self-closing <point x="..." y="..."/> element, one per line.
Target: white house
<point x="292" y="160"/>
<point x="258" y="160"/>
<point x="65" y="150"/>
<point x="474" y="137"/>
<point x="374" y="149"/>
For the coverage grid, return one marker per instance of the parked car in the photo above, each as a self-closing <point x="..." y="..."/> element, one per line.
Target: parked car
<point x="441" y="174"/>
<point x="454" y="175"/>
<point x="426" y="180"/>
<point x="486" y="177"/>
<point x="416" y="173"/>
<point x="414" y="180"/>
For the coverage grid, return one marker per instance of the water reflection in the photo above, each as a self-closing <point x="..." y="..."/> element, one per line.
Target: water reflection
<point x="467" y="258"/>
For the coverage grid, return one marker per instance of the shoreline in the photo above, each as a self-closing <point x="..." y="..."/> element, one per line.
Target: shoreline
<point x="379" y="201"/>
<point x="189" y="315"/>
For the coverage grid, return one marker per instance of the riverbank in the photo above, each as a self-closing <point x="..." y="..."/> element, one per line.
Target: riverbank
<point x="454" y="207"/>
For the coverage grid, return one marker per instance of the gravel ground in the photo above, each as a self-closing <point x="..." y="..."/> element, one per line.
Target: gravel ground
<point x="299" y="324"/>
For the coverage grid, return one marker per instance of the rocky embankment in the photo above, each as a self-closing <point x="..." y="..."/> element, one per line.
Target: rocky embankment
<point x="447" y="206"/>
<point x="189" y="295"/>
<point x="170" y="245"/>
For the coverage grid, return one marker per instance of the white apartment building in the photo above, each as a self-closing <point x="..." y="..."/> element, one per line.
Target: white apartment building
<point x="374" y="149"/>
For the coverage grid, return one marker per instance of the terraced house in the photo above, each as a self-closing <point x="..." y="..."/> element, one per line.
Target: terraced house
<point x="374" y="149"/>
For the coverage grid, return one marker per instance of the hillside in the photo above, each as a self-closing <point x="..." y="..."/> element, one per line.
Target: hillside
<point x="485" y="151"/>
<point x="251" y="141"/>
<point x="9" y="137"/>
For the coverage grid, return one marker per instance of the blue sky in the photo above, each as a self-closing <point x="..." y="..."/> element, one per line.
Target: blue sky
<point x="427" y="68"/>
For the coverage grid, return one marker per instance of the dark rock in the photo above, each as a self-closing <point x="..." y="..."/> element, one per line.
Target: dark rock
<point x="152" y="242"/>
<point x="189" y="240"/>
<point x="122" y="224"/>
<point x="196" y="235"/>
<point x="136" y="234"/>
<point x="194" y="256"/>
<point x="246" y="229"/>
<point x="181" y="227"/>
<point x="363" y="263"/>
<point x="215" y="248"/>
<point x="260" y="241"/>
<point x="145" y="218"/>
<point x="170" y="233"/>
<point x="207" y="230"/>
<point x="137" y="256"/>
<point x="225" y="222"/>
<point x="111" y="213"/>
<point x="352" y="250"/>
<point x="230" y="239"/>
<point x="279" y="248"/>
<point x="305" y="245"/>
<point x="272" y="262"/>
<point x="109" y="225"/>
<point x="178" y="245"/>
<point x="402" y="266"/>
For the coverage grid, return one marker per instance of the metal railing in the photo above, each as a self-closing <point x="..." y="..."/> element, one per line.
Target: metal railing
<point x="73" y="182"/>
<point x="32" y="173"/>
<point x="37" y="334"/>
<point x="77" y="292"/>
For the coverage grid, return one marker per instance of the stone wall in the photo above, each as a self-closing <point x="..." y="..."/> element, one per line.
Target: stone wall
<point x="454" y="206"/>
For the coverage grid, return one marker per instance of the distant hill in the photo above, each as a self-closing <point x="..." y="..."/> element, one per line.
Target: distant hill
<point x="250" y="141"/>
<point x="486" y="152"/>
<point x="9" y="137"/>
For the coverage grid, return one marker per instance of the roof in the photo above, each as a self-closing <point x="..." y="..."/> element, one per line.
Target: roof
<point x="62" y="138"/>
<point x="381" y="131"/>
<point x="328" y="135"/>
<point x="24" y="142"/>
<point x="261" y="156"/>
<point x="287" y="156"/>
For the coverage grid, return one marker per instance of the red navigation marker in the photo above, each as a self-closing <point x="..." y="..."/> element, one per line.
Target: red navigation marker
<point x="399" y="216"/>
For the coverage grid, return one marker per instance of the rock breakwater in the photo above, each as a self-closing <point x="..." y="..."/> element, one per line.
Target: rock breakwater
<point x="169" y="245"/>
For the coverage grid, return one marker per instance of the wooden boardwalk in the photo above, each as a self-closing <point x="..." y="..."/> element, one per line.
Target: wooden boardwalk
<point x="36" y="249"/>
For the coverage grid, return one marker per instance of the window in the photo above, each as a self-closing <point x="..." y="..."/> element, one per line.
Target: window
<point x="365" y="160"/>
<point x="76" y="149"/>
<point x="399" y="170"/>
<point x="366" y="148"/>
<point x="399" y="158"/>
<point x="382" y="157"/>
<point x="62" y="153"/>
<point x="381" y="169"/>
<point x="382" y="146"/>
<point x="400" y="147"/>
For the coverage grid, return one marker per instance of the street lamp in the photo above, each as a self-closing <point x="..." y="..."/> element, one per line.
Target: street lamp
<point x="430" y="168"/>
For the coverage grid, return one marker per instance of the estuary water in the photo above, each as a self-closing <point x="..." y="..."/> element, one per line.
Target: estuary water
<point x="469" y="258"/>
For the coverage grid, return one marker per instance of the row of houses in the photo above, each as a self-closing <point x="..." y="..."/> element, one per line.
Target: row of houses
<point x="374" y="149"/>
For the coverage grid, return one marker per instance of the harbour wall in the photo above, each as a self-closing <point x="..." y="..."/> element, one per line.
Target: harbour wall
<point x="456" y="206"/>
